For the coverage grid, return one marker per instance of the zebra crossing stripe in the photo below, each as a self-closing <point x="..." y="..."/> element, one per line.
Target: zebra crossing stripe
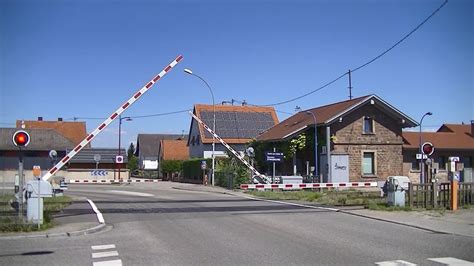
<point x="102" y="247"/>
<point x="451" y="261"/>
<point x="104" y="254"/>
<point x="395" y="263"/>
<point x="108" y="263"/>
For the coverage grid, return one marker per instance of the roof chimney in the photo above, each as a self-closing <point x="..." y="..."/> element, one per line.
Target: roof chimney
<point x="60" y="119"/>
<point x="40" y="118"/>
<point x="472" y="128"/>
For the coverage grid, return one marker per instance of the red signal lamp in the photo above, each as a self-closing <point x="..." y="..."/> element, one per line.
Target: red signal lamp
<point x="21" y="138"/>
<point x="427" y="148"/>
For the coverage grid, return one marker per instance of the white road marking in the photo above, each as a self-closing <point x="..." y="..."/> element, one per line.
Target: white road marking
<point x="108" y="263"/>
<point x="96" y="210"/>
<point x="294" y="204"/>
<point x="101" y="247"/>
<point x="104" y="254"/>
<point x="131" y="193"/>
<point x="395" y="263"/>
<point x="451" y="261"/>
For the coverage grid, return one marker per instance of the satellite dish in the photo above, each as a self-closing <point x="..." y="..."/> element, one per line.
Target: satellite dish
<point x="250" y="152"/>
<point x="97" y="158"/>
<point x="53" y="154"/>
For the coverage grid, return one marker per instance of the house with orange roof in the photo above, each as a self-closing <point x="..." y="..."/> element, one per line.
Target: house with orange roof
<point x="236" y="125"/>
<point x="172" y="150"/>
<point x="362" y="138"/>
<point x="450" y="140"/>
<point x="73" y="131"/>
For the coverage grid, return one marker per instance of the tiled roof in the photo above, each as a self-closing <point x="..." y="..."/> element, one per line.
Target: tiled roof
<point x="174" y="150"/>
<point x="235" y="124"/>
<point x="326" y="115"/>
<point x="74" y="131"/>
<point x="41" y="140"/>
<point x="448" y="136"/>
<point x="106" y="155"/>
<point x="148" y="145"/>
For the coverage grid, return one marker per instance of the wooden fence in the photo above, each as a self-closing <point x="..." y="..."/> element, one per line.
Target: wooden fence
<point x="438" y="195"/>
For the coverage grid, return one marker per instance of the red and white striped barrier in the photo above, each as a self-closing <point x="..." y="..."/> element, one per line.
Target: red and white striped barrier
<point x="309" y="185"/>
<point x="110" y="181"/>
<point x="109" y="120"/>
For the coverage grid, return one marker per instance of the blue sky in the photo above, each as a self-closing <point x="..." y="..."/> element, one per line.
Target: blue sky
<point x="84" y="58"/>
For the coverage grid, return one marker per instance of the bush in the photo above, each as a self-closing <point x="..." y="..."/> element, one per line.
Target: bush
<point x="192" y="168"/>
<point x="171" y="166"/>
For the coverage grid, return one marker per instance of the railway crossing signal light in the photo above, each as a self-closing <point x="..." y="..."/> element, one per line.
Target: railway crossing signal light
<point x="21" y="138"/>
<point x="427" y="148"/>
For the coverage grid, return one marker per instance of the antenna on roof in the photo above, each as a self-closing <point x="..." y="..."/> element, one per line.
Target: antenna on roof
<point x="297" y="109"/>
<point x="350" y="85"/>
<point x="244" y="103"/>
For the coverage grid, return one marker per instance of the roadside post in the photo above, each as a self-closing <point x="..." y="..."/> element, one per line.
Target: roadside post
<point x="37" y="175"/>
<point x="21" y="139"/>
<point x="274" y="157"/>
<point x="454" y="168"/>
<point x="204" y="176"/>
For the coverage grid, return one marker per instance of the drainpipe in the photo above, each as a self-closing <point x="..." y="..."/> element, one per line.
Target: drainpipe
<point x="328" y="152"/>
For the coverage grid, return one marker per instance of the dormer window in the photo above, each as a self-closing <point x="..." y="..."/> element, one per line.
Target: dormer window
<point x="368" y="125"/>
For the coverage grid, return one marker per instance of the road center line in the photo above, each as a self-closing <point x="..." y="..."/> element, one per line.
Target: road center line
<point x="96" y="210"/>
<point x="131" y="193"/>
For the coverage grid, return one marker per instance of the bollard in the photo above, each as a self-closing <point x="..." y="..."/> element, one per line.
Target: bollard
<point x="454" y="194"/>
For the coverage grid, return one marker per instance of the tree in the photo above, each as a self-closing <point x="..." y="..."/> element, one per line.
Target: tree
<point x="130" y="151"/>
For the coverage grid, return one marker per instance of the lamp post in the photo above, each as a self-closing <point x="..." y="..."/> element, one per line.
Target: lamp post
<point x="315" y="144"/>
<point x="127" y="118"/>
<point x="190" y="72"/>
<point x="422" y="166"/>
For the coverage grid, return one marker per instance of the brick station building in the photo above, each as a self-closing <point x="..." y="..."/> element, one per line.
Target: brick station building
<point x="362" y="138"/>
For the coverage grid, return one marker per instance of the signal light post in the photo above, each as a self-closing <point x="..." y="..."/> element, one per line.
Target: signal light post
<point x="422" y="164"/>
<point x="20" y="139"/>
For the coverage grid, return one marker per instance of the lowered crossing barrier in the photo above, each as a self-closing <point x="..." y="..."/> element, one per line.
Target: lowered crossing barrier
<point x="110" y="181"/>
<point x="309" y="185"/>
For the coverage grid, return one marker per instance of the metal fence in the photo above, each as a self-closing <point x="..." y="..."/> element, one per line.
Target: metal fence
<point x="438" y="195"/>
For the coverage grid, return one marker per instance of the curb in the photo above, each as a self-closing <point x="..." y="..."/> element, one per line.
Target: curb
<point x="87" y="231"/>
<point x="404" y="224"/>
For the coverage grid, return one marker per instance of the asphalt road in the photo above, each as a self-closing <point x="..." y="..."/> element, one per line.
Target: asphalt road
<point x="154" y="224"/>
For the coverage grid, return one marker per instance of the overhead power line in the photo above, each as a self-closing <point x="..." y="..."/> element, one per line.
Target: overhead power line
<point x="363" y="65"/>
<point x="133" y="117"/>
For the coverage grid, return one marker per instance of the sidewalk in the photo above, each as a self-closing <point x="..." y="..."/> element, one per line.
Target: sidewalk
<point x="460" y="222"/>
<point x="76" y="219"/>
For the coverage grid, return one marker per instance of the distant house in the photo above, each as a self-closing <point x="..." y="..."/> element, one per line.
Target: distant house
<point x="362" y="136"/>
<point x="82" y="165"/>
<point x="172" y="150"/>
<point x="42" y="141"/>
<point x="148" y="149"/>
<point x="73" y="131"/>
<point x="236" y="125"/>
<point x="450" y="140"/>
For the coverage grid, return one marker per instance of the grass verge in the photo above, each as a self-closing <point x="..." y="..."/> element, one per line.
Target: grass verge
<point x="10" y="222"/>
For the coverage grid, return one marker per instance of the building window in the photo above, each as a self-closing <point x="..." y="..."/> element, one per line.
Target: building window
<point x="368" y="125"/>
<point x="368" y="163"/>
<point x="442" y="163"/>
<point x="467" y="160"/>
<point x="198" y="138"/>
<point x="193" y="140"/>
<point x="415" y="164"/>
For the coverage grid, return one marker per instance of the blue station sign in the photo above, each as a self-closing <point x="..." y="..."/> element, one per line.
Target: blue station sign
<point x="274" y="157"/>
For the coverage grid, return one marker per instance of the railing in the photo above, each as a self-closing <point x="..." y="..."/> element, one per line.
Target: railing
<point x="438" y="195"/>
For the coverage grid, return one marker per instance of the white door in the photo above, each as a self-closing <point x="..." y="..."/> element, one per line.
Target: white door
<point x="340" y="168"/>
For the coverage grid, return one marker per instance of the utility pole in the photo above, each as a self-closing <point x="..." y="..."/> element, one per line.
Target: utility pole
<point x="350" y="85"/>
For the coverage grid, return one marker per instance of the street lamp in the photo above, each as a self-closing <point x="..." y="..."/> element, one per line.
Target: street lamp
<point x="315" y="144"/>
<point x="422" y="166"/>
<point x="127" y="118"/>
<point x="190" y="72"/>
